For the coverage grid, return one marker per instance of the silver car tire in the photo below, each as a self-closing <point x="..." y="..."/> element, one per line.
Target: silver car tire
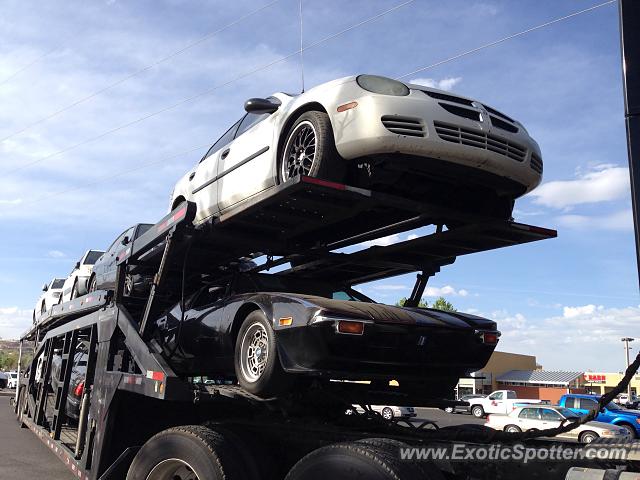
<point x="387" y="413"/>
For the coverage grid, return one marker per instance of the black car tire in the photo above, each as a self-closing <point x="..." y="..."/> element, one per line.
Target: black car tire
<point x="512" y="429"/>
<point x="349" y="460"/>
<point x="294" y="157"/>
<point x="588" y="437"/>
<point x="194" y="448"/>
<point x="391" y="447"/>
<point x="477" y="411"/>
<point x="74" y="289"/>
<point x="449" y="410"/>
<point x="256" y="361"/>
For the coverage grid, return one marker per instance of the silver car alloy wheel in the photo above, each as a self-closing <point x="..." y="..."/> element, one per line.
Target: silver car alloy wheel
<point x="387" y="413"/>
<point x="254" y="352"/>
<point x="172" y="469"/>
<point x="300" y="151"/>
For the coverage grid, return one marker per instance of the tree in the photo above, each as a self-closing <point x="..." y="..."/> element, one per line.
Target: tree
<point x="402" y="301"/>
<point x="441" y="303"/>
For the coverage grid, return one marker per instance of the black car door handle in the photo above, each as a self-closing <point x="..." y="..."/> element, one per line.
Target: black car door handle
<point x="225" y="153"/>
<point x="193" y="174"/>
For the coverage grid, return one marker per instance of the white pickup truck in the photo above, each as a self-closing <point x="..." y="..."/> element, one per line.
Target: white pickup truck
<point x="500" y="401"/>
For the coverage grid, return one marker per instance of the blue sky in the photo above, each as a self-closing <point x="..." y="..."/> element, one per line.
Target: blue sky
<point x="567" y="300"/>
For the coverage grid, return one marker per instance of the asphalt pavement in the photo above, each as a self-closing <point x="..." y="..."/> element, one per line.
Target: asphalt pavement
<point x="22" y="454"/>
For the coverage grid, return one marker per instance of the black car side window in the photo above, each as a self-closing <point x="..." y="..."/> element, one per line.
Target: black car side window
<point x="224" y="139"/>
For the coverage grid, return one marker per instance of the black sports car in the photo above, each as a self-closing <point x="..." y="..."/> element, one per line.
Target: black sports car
<point x="268" y="329"/>
<point x="103" y="275"/>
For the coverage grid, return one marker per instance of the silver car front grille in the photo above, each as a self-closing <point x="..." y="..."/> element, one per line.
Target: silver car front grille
<point x="479" y="139"/>
<point x="410" y="126"/>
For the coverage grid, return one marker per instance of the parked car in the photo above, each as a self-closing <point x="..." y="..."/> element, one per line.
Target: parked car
<point x="629" y="402"/>
<point x="612" y="413"/>
<point x="463" y="408"/>
<point x="374" y="132"/>
<point x="266" y="329"/>
<point x="78" y="374"/>
<point x="76" y="283"/>
<point x="4" y="379"/>
<point x="500" y="401"/>
<point x="12" y="379"/>
<point x="522" y="419"/>
<point x="51" y="293"/>
<point x="389" y="412"/>
<point x="103" y="274"/>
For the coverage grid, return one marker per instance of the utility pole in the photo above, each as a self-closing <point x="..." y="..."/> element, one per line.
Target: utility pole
<point x="626" y="341"/>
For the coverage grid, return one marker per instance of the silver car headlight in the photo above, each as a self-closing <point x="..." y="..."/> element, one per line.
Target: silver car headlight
<point x="382" y="85"/>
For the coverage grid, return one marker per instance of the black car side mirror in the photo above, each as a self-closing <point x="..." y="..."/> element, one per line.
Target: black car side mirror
<point x="125" y="240"/>
<point x="45" y="287"/>
<point x="77" y="264"/>
<point x="260" y="105"/>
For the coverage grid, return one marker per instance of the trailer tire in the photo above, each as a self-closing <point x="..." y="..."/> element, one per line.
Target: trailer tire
<point x="256" y="360"/>
<point x="391" y="446"/>
<point x="349" y="460"/>
<point x="190" y="448"/>
<point x="477" y="411"/>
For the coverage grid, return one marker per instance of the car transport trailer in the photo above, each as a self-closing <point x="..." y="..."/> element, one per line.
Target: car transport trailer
<point x="139" y="419"/>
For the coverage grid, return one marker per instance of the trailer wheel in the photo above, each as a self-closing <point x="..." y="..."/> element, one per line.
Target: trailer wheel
<point x="256" y="361"/>
<point x="349" y="460"/>
<point x="309" y="149"/>
<point x="190" y="452"/>
<point x="477" y="411"/>
<point x="391" y="446"/>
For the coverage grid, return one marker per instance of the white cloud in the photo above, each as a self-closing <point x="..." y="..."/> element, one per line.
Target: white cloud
<point x="602" y="183"/>
<point x="14" y="201"/>
<point x="56" y="254"/>
<point x="570" y="312"/>
<point x="14" y="322"/>
<point x="381" y="242"/>
<point x="445" y="291"/>
<point x="622" y="220"/>
<point x="583" y="337"/>
<point x="443" y="84"/>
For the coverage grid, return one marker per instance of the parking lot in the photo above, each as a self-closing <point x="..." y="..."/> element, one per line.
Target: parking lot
<point x="22" y="455"/>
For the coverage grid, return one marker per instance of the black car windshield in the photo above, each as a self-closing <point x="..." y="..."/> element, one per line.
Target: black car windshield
<point x="277" y="283"/>
<point x="92" y="257"/>
<point x="57" y="283"/>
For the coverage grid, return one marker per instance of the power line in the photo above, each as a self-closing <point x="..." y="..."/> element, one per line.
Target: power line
<point x="137" y="72"/>
<point x="116" y="175"/>
<point x="497" y="42"/>
<point x="209" y="90"/>
<point x="28" y="65"/>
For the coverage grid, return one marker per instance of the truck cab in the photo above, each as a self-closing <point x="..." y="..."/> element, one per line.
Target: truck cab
<point x="611" y="413"/>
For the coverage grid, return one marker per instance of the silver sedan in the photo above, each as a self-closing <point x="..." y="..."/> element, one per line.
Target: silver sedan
<point x="372" y="132"/>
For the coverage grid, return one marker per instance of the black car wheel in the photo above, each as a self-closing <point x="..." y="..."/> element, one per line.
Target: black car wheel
<point x="512" y="429"/>
<point x="43" y="308"/>
<point x="256" y="362"/>
<point x="310" y="149"/>
<point x="629" y="428"/>
<point x="449" y="409"/>
<point x="128" y="285"/>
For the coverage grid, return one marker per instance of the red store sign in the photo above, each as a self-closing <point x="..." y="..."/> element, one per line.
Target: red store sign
<point x="593" y="378"/>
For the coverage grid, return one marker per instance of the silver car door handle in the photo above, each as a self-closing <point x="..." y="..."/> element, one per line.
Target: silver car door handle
<point x="193" y="174"/>
<point x="225" y="153"/>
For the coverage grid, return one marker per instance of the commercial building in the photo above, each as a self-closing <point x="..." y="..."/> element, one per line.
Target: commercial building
<point x="603" y="382"/>
<point x="485" y="380"/>
<point x="542" y="384"/>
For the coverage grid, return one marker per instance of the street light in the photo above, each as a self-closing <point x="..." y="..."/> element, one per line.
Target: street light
<point x="626" y="341"/>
